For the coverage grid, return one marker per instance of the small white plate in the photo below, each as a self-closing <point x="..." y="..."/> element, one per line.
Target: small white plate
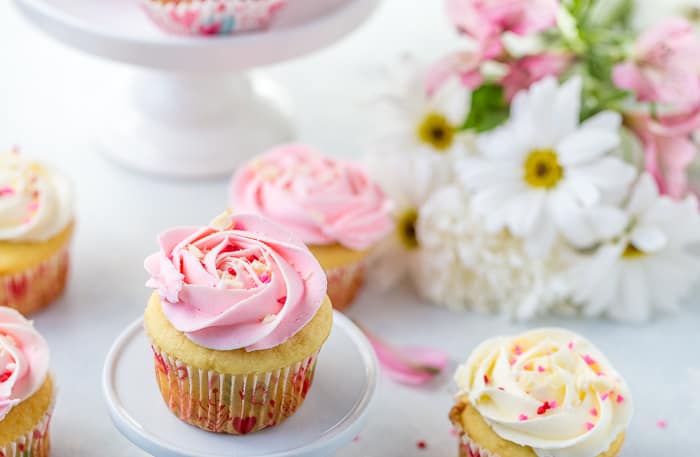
<point x="332" y="415"/>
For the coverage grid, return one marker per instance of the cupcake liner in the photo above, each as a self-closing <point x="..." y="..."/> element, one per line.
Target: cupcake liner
<point x="35" y="443"/>
<point x="468" y="448"/>
<point x="233" y="404"/>
<point x="33" y="289"/>
<point x="212" y="17"/>
<point x="344" y="282"/>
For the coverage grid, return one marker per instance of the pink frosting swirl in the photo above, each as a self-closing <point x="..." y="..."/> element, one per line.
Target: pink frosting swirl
<point x="242" y="282"/>
<point x="24" y="359"/>
<point x="324" y="201"/>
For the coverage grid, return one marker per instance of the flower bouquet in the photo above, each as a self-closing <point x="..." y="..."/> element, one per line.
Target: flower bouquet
<point x="545" y="166"/>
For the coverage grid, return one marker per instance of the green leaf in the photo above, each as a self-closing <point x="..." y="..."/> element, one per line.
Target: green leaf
<point x="489" y="109"/>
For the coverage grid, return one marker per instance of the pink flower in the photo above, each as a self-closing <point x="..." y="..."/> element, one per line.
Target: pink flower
<point x="486" y="20"/>
<point x="665" y="66"/>
<point x="528" y="70"/>
<point x="669" y="148"/>
<point x="464" y="64"/>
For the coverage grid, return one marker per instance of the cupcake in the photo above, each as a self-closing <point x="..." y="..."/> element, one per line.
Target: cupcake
<point x="332" y="205"/>
<point x="545" y="393"/>
<point x="236" y="324"/>
<point x="36" y="224"/>
<point x="26" y="388"/>
<point x="212" y="17"/>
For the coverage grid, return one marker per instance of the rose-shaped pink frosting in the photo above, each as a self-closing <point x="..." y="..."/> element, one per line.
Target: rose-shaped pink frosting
<point x="24" y="359"/>
<point x="242" y="282"/>
<point x="324" y="201"/>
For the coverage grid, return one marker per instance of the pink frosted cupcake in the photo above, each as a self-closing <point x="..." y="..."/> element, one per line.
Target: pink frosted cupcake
<point x="332" y="205"/>
<point x="212" y="17"/>
<point x="236" y="324"/>
<point x="26" y="388"/>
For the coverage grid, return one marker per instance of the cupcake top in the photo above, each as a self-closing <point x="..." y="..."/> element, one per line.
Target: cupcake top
<point x="24" y="359"/>
<point x="324" y="201"/>
<point x="241" y="282"/>
<point x="36" y="203"/>
<point x="549" y="389"/>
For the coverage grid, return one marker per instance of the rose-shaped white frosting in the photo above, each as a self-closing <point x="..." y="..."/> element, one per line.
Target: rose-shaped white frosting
<point x="36" y="203"/>
<point x="322" y="200"/>
<point x="242" y="282"/>
<point x="549" y="389"/>
<point x="24" y="359"/>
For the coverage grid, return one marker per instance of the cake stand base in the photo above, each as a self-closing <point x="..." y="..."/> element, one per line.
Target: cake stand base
<point x="189" y="126"/>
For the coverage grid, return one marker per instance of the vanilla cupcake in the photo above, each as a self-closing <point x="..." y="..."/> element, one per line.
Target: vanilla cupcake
<point x="545" y="393"/>
<point x="332" y="205"/>
<point x="36" y="224"/>
<point x="26" y="388"/>
<point x="212" y="17"/>
<point x="236" y="324"/>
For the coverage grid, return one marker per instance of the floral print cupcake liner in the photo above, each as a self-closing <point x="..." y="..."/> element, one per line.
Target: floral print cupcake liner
<point x="233" y="404"/>
<point x="344" y="282"/>
<point x="467" y="448"/>
<point x="212" y="17"/>
<point x="33" y="289"/>
<point x="35" y="443"/>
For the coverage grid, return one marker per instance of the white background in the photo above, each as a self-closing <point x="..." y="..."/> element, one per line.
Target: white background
<point x="49" y="98"/>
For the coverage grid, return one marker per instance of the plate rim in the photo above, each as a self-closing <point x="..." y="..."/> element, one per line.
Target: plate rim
<point x="132" y="430"/>
<point x="56" y="16"/>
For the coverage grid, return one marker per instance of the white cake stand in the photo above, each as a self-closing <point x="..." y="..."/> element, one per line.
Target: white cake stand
<point x="332" y="415"/>
<point x="192" y="111"/>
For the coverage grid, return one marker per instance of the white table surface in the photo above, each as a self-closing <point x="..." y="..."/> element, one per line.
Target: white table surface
<point x="49" y="94"/>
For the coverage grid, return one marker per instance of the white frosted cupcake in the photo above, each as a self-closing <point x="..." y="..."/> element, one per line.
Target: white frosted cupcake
<point x="545" y="393"/>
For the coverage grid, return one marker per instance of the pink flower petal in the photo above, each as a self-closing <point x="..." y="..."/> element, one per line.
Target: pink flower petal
<point x="408" y="365"/>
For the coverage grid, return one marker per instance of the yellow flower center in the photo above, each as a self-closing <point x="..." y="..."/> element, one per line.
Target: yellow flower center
<point x="542" y="169"/>
<point x="436" y="131"/>
<point x="632" y="252"/>
<point x="406" y="228"/>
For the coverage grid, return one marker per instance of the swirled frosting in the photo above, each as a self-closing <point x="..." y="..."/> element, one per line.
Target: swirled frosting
<point x="241" y="282"/>
<point x="549" y="389"/>
<point x="24" y="359"/>
<point x="324" y="201"/>
<point x="36" y="203"/>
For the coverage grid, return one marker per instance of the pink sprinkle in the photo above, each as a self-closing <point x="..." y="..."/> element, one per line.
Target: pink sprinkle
<point x="571" y="345"/>
<point x="540" y="368"/>
<point x="356" y="439"/>
<point x="511" y="361"/>
<point x="594" y="412"/>
<point x="6" y="191"/>
<point x="661" y="424"/>
<point x="238" y="226"/>
<point x="604" y="396"/>
<point x="265" y="277"/>
<point x="589" y="426"/>
<point x="600" y="373"/>
<point x="518" y="349"/>
<point x="421" y="444"/>
<point x="589" y="360"/>
<point x="522" y="417"/>
<point x="486" y="379"/>
<point x="502" y="389"/>
<point x="620" y="398"/>
<point x="553" y="404"/>
<point x="453" y="432"/>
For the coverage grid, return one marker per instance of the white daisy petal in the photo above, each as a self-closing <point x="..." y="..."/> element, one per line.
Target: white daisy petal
<point x="452" y="100"/>
<point x="567" y="105"/>
<point x="583" y="146"/>
<point x="648" y="239"/>
<point x="606" y="120"/>
<point x="643" y="196"/>
<point x="633" y="304"/>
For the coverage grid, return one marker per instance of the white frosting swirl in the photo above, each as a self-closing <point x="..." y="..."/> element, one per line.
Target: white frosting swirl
<point x="36" y="203"/>
<point x="549" y="389"/>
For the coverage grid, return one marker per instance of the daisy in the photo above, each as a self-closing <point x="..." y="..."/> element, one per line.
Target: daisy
<point x="647" y="268"/>
<point x="408" y="179"/>
<point x="412" y="119"/>
<point x="536" y="174"/>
